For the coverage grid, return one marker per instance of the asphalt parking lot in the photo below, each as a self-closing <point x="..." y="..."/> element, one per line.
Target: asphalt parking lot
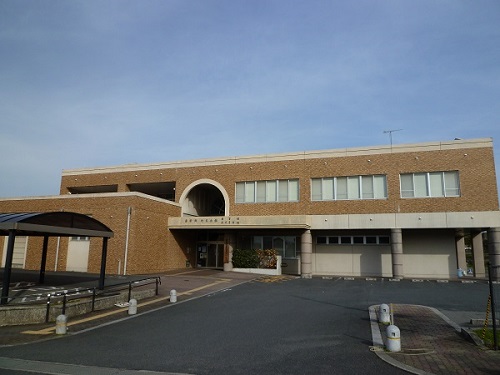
<point x="245" y="325"/>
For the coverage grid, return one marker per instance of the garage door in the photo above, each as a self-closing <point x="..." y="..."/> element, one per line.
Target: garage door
<point x="19" y="256"/>
<point x="78" y="254"/>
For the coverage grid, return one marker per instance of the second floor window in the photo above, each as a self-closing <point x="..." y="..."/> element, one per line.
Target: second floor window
<point x="267" y="191"/>
<point x="430" y="184"/>
<point x="352" y="187"/>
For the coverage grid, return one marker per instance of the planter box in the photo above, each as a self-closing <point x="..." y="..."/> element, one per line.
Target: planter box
<point x="262" y="271"/>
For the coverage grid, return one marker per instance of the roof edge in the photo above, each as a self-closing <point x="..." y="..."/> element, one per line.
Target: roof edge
<point x="342" y="152"/>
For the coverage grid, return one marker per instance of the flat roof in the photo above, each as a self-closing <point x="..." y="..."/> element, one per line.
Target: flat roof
<point x="343" y="152"/>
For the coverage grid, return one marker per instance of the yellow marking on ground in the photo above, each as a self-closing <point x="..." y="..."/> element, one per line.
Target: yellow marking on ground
<point x="189" y="292"/>
<point x="50" y="330"/>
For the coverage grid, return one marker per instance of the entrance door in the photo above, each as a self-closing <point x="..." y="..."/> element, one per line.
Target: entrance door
<point x="210" y="255"/>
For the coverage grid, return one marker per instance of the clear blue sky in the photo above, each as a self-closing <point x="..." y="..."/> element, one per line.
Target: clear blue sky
<point x="101" y="83"/>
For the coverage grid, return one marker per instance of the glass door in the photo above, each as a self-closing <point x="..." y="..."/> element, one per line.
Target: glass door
<point x="210" y="255"/>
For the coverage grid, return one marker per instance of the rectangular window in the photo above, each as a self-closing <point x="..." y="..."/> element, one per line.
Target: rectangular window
<point x="379" y="187"/>
<point x="367" y="187"/>
<point x="344" y="240"/>
<point x="240" y="192"/>
<point x="282" y="191"/>
<point x="286" y="246"/>
<point x="261" y="191"/>
<point x="353" y="240"/>
<point x="420" y="185"/>
<point x="341" y="187"/>
<point x="249" y="192"/>
<point x="271" y="191"/>
<point x="351" y="187"/>
<point x="316" y="189"/>
<point x="321" y="240"/>
<point x="290" y="251"/>
<point x="430" y="184"/>
<point x="328" y="191"/>
<point x="293" y="191"/>
<point x="436" y="184"/>
<point x="407" y="190"/>
<point x="358" y="240"/>
<point x="451" y="184"/>
<point x="333" y="240"/>
<point x="267" y="191"/>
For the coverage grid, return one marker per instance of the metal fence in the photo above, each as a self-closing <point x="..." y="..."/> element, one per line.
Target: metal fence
<point x="493" y="302"/>
<point x="61" y="298"/>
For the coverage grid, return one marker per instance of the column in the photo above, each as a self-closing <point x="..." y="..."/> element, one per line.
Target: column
<point x="306" y="255"/>
<point x="494" y="252"/>
<point x="460" y="248"/>
<point x="478" y="254"/>
<point x="230" y="244"/>
<point x="397" y="253"/>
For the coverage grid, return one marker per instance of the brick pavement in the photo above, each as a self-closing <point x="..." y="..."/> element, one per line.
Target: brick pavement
<point x="431" y="345"/>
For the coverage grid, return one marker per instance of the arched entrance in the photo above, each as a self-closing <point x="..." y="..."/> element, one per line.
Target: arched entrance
<point x="206" y="198"/>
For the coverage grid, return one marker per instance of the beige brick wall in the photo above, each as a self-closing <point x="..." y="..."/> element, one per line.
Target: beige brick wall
<point x="152" y="248"/>
<point x="475" y="165"/>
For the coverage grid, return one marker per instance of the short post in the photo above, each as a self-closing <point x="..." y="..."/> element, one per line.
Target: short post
<point x="173" y="295"/>
<point x="132" y="307"/>
<point x="393" y="338"/>
<point x="384" y="314"/>
<point x="47" y="312"/>
<point x="61" y="324"/>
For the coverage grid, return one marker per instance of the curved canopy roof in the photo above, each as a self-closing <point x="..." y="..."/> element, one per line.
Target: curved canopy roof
<point x="52" y="223"/>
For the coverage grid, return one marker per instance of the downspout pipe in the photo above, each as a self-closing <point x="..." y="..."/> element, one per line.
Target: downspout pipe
<point x="127" y="234"/>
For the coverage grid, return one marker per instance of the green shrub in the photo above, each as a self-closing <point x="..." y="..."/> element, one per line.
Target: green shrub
<point x="255" y="258"/>
<point x="245" y="259"/>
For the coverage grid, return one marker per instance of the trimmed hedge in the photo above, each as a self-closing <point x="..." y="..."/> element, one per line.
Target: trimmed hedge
<point x="245" y="259"/>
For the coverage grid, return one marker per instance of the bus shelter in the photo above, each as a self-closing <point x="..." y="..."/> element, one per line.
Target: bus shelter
<point x="49" y="224"/>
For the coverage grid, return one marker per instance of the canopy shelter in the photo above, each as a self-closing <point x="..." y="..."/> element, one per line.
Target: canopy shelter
<point x="49" y="224"/>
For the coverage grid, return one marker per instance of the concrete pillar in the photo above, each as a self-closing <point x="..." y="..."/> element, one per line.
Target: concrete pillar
<point x="460" y="248"/>
<point x="229" y="246"/>
<point x="397" y="253"/>
<point x="478" y="254"/>
<point x="494" y="252"/>
<point x="306" y="255"/>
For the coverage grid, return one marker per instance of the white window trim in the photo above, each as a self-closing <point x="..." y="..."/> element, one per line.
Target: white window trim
<point x="360" y="188"/>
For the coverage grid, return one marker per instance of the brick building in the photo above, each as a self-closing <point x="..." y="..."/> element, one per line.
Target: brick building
<point x="393" y="211"/>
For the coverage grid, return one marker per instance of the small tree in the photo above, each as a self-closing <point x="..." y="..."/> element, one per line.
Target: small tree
<point x="267" y="258"/>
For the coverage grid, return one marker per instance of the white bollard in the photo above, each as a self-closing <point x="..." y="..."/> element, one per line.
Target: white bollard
<point x="61" y="324"/>
<point x="393" y="339"/>
<point x="132" y="307"/>
<point x="384" y="314"/>
<point x="173" y="295"/>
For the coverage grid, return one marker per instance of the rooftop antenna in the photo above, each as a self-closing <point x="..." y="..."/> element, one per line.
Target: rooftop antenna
<point x="390" y="134"/>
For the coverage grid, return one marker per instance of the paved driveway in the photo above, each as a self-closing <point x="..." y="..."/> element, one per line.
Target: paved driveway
<point x="318" y="326"/>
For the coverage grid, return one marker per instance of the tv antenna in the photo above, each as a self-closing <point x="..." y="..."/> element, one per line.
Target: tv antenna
<point x="390" y="133"/>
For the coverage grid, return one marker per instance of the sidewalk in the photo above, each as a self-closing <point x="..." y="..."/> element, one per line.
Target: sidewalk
<point x="432" y="344"/>
<point x="188" y="284"/>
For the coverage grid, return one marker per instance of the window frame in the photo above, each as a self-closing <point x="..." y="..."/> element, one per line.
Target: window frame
<point x="274" y="191"/>
<point x="349" y="188"/>
<point x="434" y="183"/>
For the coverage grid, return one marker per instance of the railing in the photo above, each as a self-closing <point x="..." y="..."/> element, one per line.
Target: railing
<point x="64" y="297"/>
<point x="493" y="301"/>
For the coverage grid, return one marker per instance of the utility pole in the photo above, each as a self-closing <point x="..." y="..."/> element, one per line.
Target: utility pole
<point x="390" y="134"/>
